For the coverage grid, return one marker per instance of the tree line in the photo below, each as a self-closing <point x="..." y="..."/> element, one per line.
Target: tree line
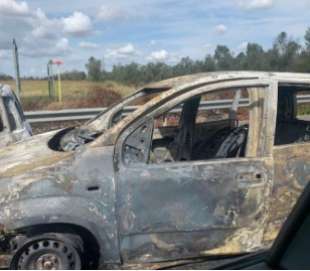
<point x="286" y="54"/>
<point x="5" y="77"/>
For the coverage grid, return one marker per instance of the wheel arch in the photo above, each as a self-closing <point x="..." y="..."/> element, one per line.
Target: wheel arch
<point x="90" y="241"/>
<point x="65" y="213"/>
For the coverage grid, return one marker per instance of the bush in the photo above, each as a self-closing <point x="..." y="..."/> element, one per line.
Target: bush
<point x="102" y="97"/>
<point x="35" y="103"/>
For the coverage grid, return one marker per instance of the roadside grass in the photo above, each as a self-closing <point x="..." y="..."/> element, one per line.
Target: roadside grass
<point x="303" y="109"/>
<point x="76" y="94"/>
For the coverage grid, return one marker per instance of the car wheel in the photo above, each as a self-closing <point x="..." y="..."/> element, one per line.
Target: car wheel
<point x="48" y="252"/>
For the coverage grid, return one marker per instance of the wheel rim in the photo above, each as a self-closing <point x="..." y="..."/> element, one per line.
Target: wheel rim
<point x="48" y="261"/>
<point x="48" y="255"/>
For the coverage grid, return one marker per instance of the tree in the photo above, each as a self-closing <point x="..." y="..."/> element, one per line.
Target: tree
<point x="255" y="57"/>
<point x="209" y="64"/>
<point x="223" y="58"/>
<point x="93" y="69"/>
<point x="307" y="40"/>
<point x="285" y="53"/>
<point x="73" y="75"/>
<point x="5" y="77"/>
<point x="185" y="66"/>
<point x="304" y="59"/>
<point x="240" y="61"/>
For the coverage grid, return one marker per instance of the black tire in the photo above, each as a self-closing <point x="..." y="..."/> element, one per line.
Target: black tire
<point x="51" y="251"/>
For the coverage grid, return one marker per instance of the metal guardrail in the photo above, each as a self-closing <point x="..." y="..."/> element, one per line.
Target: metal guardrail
<point x="89" y="113"/>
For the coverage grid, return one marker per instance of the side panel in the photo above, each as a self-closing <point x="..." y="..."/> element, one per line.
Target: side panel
<point x="181" y="210"/>
<point x="79" y="190"/>
<point x="292" y="173"/>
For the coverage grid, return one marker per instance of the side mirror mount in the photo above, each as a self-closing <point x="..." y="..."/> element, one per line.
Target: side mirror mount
<point x="136" y="148"/>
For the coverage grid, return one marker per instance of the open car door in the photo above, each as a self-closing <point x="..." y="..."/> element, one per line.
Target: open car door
<point x="13" y="124"/>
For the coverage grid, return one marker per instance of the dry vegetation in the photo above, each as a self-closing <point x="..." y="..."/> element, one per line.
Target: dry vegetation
<point x="76" y="94"/>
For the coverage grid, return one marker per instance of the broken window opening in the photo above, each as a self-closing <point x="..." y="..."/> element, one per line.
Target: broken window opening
<point x="116" y="112"/>
<point x="194" y="131"/>
<point x="9" y="105"/>
<point x="1" y="124"/>
<point x="293" y="116"/>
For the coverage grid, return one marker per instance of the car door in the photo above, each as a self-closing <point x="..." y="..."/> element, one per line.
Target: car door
<point x="5" y="134"/>
<point x="291" y="152"/>
<point x="181" y="209"/>
<point x="18" y="127"/>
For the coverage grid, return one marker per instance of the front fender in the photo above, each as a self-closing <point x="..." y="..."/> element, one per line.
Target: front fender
<point x="78" y="211"/>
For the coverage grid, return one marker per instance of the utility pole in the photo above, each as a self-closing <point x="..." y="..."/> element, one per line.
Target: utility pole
<point x="16" y="65"/>
<point x="50" y="76"/>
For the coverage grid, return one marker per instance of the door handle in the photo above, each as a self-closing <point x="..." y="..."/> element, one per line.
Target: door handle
<point x="250" y="178"/>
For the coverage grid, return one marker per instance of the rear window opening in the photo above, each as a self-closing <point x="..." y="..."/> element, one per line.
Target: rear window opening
<point x="293" y="115"/>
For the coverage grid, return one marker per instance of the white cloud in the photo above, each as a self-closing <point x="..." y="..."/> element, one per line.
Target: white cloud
<point x="255" y="4"/>
<point x="106" y="13"/>
<point x="46" y="48"/>
<point x="128" y="49"/>
<point x="12" y="7"/>
<point x="221" y="29"/>
<point x="159" y="56"/>
<point x="44" y="27"/>
<point x="122" y="52"/>
<point x="38" y="35"/>
<point x="88" y="45"/>
<point x="153" y="42"/>
<point x="5" y="54"/>
<point x="77" y="24"/>
<point x="62" y="44"/>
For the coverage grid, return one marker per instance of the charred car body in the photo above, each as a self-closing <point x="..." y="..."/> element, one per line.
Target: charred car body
<point x="13" y="125"/>
<point x="179" y="177"/>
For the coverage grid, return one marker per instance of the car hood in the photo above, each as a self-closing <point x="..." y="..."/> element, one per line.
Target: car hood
<point x="32" y="153"/>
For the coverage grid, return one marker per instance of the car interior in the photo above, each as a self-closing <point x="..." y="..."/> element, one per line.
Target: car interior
<point x="191" y="131"/>
<point x="291" y="127"/>
<point x="200" y="134"/>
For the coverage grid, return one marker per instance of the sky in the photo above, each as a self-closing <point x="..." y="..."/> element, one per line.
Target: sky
<point x="122" y="31"/>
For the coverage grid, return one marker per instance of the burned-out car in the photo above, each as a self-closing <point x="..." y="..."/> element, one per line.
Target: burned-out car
<point x="208" y="164"/>
<point x="13" y="125"/>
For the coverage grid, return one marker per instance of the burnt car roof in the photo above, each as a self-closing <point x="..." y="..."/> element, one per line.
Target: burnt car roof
<point x="233" y="75"/>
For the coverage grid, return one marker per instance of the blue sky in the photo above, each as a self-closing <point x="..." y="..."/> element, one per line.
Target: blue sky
<point x="121" y="31"/>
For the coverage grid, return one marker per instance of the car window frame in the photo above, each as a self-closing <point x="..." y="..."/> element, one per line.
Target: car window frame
<point x="267" y="84"/>
<point x="294" y="144"/>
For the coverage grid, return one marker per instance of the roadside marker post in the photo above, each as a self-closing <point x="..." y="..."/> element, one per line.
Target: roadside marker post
<point x="50" y="76"/>
<point x="16" y="66"/>
<point x="59" y="62"/>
